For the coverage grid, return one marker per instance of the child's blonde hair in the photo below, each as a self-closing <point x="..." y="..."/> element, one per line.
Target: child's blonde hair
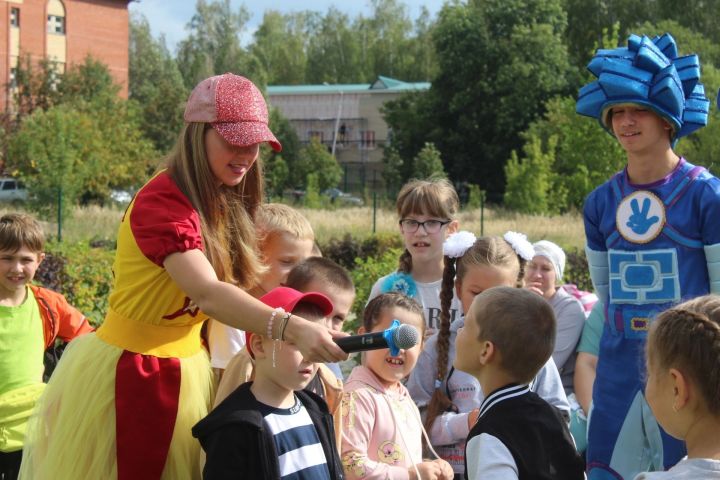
<point x="486" y="251"/>
<point x="226" y="213"/>
<point x="435" y="197"/>
<point x="687" y="337"/>
<point x="274" y="218"/>
<point x="18" y="230"/>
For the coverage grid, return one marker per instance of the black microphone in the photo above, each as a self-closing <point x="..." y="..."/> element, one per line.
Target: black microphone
<point x="397" y="337"/>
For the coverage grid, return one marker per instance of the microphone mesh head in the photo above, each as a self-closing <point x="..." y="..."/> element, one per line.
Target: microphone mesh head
<point x="406" y="336"/>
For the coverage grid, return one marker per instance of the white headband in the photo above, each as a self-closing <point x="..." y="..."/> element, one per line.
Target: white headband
<point x="458" y="243"/>
<point x="519" y="242"/>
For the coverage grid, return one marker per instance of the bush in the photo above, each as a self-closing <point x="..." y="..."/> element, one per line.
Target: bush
<point x="366" y="260"/>
<point x="82" y="273"/>
<point x="344" y="251"/>
<point x="576" y="269"/>
<point x="365" y="273"/>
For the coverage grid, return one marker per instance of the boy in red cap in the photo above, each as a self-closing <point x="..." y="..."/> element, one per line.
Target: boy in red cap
<point x="271" y="427"/>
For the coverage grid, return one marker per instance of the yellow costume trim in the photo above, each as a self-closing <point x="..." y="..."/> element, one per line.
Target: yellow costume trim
<point x="160" y="341"/>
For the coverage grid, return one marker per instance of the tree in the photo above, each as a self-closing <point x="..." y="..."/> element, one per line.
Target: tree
<point x="114" y="154"/>
<point x="156" y="85"/>
<point x="391" y="173"/>
<point x="407" y="118"/>
<point x="49" y="153"/>
<point x="276" y="175"/>
<point x="334" y="52"/>
<point x="480" y="103"/>
<point x="315" y="159"/>
<point x="280" y="45"/>
<point x="529" y="181"/>
<point x="213" y="45"/>
<point x="428" y="164"/>
<point x="288" y="138"/>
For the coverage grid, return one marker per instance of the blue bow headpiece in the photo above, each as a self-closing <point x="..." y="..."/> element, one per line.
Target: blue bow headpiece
<point x="650" y="73"/>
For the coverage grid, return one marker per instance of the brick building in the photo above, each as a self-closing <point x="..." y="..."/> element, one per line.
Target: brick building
<point x="64" y="31"/>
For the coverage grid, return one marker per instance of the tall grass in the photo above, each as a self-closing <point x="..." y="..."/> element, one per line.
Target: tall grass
<point x="97" y="223"/>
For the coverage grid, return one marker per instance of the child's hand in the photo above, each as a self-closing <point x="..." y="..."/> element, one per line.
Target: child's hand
<point x="472" y="417"/>
<point x="432" y="470"/>
<point x="446" y="470"/>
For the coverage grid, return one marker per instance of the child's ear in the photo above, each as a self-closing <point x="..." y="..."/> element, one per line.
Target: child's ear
<point x="487" y="352"/>
<point x="458" y="286"/>
<point x="256" y="344"/>
<point x="681" y="389"/>
<point x="41" y="257"/>
<point x="361" y="330"/>
<point x="453" y="227"/>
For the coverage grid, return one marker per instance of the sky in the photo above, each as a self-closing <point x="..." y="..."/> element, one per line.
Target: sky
<point x="170" y="17"/>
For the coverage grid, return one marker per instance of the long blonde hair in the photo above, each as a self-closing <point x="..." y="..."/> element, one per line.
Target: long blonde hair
<point x="227" y="214"/>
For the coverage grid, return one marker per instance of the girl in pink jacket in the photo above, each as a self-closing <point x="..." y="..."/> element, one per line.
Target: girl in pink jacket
<point x="381" y="426"/>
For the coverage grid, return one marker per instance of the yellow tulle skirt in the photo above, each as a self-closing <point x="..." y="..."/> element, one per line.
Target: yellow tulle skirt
<point x="71" y="434"/>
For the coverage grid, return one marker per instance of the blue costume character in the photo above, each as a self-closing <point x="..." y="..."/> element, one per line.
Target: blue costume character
<point x="650" y="244"/>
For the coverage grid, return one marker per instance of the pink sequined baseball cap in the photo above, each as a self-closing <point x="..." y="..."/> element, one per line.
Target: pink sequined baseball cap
<point x="234" y="107"/>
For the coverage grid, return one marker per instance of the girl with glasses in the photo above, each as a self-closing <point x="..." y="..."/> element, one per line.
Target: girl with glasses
<point x="426" y="216"/>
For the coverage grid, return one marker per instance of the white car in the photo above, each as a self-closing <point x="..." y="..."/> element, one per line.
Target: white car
<point x="12" y="190"/>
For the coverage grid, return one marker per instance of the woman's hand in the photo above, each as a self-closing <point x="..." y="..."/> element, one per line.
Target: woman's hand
<point x="535" y="287"/>
<point x="315" y="341"/>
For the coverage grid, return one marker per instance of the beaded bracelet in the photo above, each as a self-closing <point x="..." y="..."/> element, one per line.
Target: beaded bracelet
<point x="284" y="324"/>
<point x="272" y="319"/>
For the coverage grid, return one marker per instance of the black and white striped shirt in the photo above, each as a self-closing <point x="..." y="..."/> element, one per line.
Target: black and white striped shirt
<point x="300" y="454"/>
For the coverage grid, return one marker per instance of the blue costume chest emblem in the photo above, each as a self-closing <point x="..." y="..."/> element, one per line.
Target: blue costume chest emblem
<point x="648" y="276"/>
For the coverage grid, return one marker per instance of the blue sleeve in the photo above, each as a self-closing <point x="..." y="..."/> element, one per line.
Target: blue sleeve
<point x="591" y="218"/>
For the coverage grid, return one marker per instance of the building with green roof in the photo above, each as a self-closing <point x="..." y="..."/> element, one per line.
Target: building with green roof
<point x="346" y="118"/>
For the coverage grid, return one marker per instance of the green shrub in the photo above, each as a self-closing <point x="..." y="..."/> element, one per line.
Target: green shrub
<point x="365" y="273"/>
<point x="82" y="273"/>
<point x="576" y="269"/>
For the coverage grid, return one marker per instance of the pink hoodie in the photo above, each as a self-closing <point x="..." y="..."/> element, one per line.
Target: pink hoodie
<point x="381" y="429"/>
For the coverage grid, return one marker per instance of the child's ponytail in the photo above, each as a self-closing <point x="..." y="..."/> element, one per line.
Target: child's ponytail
<point x="440" y="402"/>
<point x="405" y="262"/>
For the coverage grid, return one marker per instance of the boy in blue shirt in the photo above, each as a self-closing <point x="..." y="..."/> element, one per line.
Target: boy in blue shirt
<point x="653" y="238"/>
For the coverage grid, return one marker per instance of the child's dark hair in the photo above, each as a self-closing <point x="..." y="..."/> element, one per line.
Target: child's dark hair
<point x="435" y="197"/>
<point x="486" y="251"/>
<point x="520" y="324"/>
<point x="375" y="307"/>
<point x="322" y="269"/>
<point x="18" y="230"/>
<point x="687" y="337"/>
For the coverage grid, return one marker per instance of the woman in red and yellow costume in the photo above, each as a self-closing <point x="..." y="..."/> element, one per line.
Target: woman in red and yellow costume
<point x="122" y="401"/>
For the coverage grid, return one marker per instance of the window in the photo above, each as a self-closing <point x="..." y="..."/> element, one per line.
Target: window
<point x="13" y="77"/>
<point x="9" y="185"/>
<point x="315" y="135"/>
<point x="367" y="139"/>
<point x="56" y="24"/>
<point x="15" y="17"/>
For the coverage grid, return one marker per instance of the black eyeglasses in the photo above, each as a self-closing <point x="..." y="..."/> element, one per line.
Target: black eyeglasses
<point x="409" y="225"/>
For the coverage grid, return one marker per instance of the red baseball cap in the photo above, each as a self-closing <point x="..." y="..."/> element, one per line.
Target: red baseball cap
<point x="234" y="107"/>
<point x="287" y="298"/>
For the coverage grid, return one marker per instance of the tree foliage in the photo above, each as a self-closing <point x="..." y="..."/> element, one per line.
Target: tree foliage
<point x="213" y="44"/>
<point x="428" y="163"/>
<point x="479" y="103"/>
<point x="156" y="84"/>
<point x="315" y="159"/>
<point x="80" y="137"/>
